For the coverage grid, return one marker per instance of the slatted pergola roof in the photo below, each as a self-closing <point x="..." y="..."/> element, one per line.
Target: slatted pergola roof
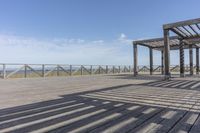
<point x="189" y="29"/>
<point x="186" y="31"/>
<point x="158" y="43"/>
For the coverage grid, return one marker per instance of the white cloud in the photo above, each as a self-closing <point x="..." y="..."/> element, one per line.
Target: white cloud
<point x="21" y="49"/>
<point x="98" y="41"/>
<point x="124" y="39"/>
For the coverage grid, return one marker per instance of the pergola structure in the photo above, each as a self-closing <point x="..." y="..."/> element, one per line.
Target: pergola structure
<point x="187" y="37"/>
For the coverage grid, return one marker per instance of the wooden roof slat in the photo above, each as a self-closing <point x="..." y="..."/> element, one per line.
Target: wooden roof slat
<point x="198" y="26"/>
<point x="179" y="30"/>
<point x="178" y="33"/>
<point x="194" y="30"/>
<point x="187" y="30"/>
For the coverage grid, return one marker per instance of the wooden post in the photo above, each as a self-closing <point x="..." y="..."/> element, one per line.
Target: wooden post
<point x="43" y="70"/>
<point x="119" y="70"/>
<point x="4" y="71"/>
<point x="91" y="70"/>
<point x="151" y="60"/>
<point x="135" y="60"/>
<point x="182" y="64"/>
<point x="191" y="59"/>
<point x="162" y="62"/>
<point x="99" y="69"/>
<point x="113" y="69"/>
<point x="70" y="69"/>
<point x="125" y="69"/>
<point x="57" y="70"/>
<point x="106" y="69"/>
<point x="81" y="70"/>
<point x="197" y="60"/>
<point x="167" y="54"/>
<point x="25" y="71"/>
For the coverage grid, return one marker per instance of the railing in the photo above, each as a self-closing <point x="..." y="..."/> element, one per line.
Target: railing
<point x="50" y="70"/>
<point x="158" y="69"/>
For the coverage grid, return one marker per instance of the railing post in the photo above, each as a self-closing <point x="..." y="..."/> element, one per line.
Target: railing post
<point x="113" y="69"/>
<point x="70" y="69"/>
<point x="81" y="70"/>
<point x="99" y="69"/>
<point x="106" y="69"/>
<point x="130" y="69"/>
<point x="119" y="70"/>
<point x="43" y="70"/>
<point x="4" y="71"/>
<point x="57" y="70"/>
<point x="25" y="71"/>
<point x="91" y="70"/>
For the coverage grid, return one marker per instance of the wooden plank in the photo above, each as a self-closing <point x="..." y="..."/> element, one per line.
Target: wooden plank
<point x="186" y="123"/>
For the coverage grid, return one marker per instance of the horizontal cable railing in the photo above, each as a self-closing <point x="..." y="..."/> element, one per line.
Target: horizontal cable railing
<point x="52" y="70"/>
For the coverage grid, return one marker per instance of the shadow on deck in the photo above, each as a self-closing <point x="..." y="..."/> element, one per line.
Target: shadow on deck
<point x="127" y="108"/>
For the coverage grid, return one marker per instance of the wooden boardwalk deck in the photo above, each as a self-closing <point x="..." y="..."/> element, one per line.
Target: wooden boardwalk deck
<point x="114" y="103"/>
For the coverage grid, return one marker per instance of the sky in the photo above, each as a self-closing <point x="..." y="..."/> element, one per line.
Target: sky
<point x="86" y="31"/>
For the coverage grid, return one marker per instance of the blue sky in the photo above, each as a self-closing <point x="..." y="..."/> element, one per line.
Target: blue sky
<point x="85" y="31"/>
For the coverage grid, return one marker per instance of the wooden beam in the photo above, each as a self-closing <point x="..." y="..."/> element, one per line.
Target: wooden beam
<point x="144" y="45"/>
<point x="154" y="40"/>
<point x="135" y="60"/>
<point x="151" y="60"/>
<point x="181" y="23"/>
<point x="167" y="54"/>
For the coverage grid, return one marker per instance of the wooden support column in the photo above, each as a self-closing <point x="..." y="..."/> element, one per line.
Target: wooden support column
<point x="43" y="70"/>
<point x="151" y="60"/>
<point x="162" y="62"/>
<point x="182" y="64"/>
<point x="191" y="59"/>
<point x="197" y="60"/>
<point x="167" y="54"/>
<point x="135" y="60"/>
